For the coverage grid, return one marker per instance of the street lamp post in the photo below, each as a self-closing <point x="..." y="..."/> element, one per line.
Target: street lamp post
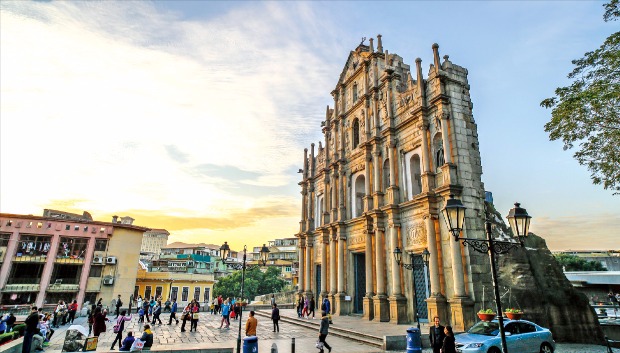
<point x="454" y="214"/>
<point x="398" y="254"/>
<point x="224" y="254"/>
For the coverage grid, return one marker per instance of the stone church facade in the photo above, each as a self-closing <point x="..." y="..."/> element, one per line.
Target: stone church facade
<point x="396" y="145"/>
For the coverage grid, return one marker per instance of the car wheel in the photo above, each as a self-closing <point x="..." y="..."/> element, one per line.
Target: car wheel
<point x="494" y="350"/>
<point x="546" y="348"/>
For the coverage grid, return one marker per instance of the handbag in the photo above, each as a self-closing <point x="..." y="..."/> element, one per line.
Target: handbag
<point x="319" y="345"/>
<point x="137" y="345"/>
<point x="232" y="314"/>
<point x="116" y="328"/>
<point x="195" y="316"/>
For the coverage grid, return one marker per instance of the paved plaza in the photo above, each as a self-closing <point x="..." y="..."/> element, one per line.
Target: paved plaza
<point x="209" y="335"/>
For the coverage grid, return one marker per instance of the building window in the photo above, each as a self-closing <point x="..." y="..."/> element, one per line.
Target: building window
<point x="354" y="92"/>
<point x="33" y="245"/>
<point x="185" y="294"/>
<point x="174" y="293"/>
<point x="40" y="225"/>
<point x="158" y="291"/>
<point x="416" y="178"/>
<point x="287" y="269"/>
<point x="101" y="244"/>
<point x="386" y="174"/>
<point x="356" y="133"/>
<point x="147" y="293"/>
<point x="136" y="290"/>
<point x="76" y="228"/>
<point x="197" y="294"/>
<point x="73" y="248"/>
<point x="207" y="295"/>
<point x="67" y="227"/>
<point x="95" y="271"/>
<point x="439" y="152"/>
<point x="90" y="297"/>
<point x="4" y="239"/>
<point x="360" y="182"/>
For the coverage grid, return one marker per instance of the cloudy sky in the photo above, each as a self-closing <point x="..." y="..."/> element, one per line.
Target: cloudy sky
<point x="192" y="116"/>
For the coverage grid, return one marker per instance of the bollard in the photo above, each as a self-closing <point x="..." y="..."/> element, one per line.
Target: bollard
<point x="414" y="340"/>
<point x="608" y="346"/>
<point x="293" y="345"/>
<point x="274" y="348"/>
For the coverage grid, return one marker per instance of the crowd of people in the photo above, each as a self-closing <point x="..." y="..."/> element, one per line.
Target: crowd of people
<point x="40" y="325"/>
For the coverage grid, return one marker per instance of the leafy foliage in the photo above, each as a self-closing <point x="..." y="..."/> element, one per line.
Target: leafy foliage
<point x="256" y="283"/>
<point x="587" y="112"/>
<point x="575" y="263"/>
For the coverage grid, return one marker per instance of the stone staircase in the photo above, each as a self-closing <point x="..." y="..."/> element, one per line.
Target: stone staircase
<point x="333" y="329"/>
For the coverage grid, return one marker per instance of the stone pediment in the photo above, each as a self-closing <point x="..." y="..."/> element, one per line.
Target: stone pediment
<point x="354" y="62"/>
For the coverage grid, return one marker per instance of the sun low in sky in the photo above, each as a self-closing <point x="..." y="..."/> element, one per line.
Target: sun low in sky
<point x="193" y="116"/>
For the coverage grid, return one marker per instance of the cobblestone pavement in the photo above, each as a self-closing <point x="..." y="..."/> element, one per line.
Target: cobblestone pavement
<point x="209" y="333"/>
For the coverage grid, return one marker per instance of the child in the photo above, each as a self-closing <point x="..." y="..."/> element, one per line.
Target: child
<point x="141" y="313"/>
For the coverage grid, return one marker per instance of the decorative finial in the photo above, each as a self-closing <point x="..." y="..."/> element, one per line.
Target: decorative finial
<point x="363" y="40"/>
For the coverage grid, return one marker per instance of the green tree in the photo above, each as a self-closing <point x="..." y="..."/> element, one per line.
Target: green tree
<point x="256" y="283"/>
<point x="587" y="112"/>
<point x="576" y="263"/>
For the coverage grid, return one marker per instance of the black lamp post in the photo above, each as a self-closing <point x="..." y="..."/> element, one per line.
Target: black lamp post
<point x="224" y="254"/>
<point x="519" y="220"/>
<point x="398" y="254"/>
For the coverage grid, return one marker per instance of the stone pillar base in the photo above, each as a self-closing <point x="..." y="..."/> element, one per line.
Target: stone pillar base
<point x="448" y="172"/>
<point x="462" y="313"/>
<point x="398" y="309"/>
<point x="381" y="308"/>
<point x="437" y="306"/>
<point x="341" y="307"/>
<point x="392" y="195"/>
<point x="368" y="308"/>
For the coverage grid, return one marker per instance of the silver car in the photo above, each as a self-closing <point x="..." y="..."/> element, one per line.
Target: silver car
<point x="521" y="337"/>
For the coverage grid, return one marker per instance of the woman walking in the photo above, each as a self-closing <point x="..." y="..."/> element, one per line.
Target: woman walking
<point x="225" y="313"/>
<point x="195" y="316"/>
<point x="187" y="314"/>
<point x="324" y="331"/>
<point x="99" y="320"/>
<point x="120" y="323"/>
<point x="449" y="346"/>
<point x="139" y="301"/>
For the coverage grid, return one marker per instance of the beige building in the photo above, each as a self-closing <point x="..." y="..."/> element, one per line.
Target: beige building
<point x="63" y="256"/>
<point x="396" y="145"/>
<point x="152" y="243"/>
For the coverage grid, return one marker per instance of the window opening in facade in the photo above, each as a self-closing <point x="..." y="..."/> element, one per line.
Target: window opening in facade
<point x="32" y="245"/>
<point x="74" y="248"/>
<point x="185" y="294"/>
<point x="101" y="244"/>
<point x="158" y="291"/>
<point x="416" y="174"/>
<point x="147" y="293"/>
<point x="356" y="133"/>
<point x="197" y="294"/>
<point x="174" y="293"/>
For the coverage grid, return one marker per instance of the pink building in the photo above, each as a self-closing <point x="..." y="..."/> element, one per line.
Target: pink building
<point x="65" y="256"/>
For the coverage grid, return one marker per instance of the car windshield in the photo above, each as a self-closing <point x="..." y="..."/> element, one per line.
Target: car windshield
<point x="485" y="328"/>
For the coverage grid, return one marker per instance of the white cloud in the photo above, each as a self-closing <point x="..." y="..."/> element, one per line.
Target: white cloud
<point x="92" y="93"/>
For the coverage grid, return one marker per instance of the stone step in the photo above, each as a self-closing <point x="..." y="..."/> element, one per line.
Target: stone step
<point x="333" y="329"/>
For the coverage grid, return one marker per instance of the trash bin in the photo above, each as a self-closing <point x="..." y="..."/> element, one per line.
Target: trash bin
<point x="414" y="340"/>
<point x="250" y="344"/>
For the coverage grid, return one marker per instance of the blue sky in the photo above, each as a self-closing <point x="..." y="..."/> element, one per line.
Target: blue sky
<point x="193" y="116"/>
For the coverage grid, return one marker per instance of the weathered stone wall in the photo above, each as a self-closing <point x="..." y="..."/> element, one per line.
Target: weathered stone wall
<point x="541" y="290"/>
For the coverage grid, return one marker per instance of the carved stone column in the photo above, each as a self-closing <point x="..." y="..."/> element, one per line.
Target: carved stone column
<point x="428" y="178"/>
<point x="308" y="267"/>
<point x="334" y="190"/>
<point x="436" y="303"/>
<point x="398" y="303"/>
<point x="380" y="302"/>
<point x="324" y="241"/>
<point x="392" y="191"/>
<point x="378" y="196"/>
<point x="367" y="196"/>
<point x="301" y="273"/>
<point x="368" y="255"/>
<point x="342" y="307"/>
<point x="332" y="263"/>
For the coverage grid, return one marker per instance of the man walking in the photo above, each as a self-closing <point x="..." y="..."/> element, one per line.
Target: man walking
<point x="119" y="302"/>
<point x="173" y="312"/>
<point x="32" y="322"/>
<point x="437" y="335"/>
<point x="323" y="332"/>
<point x="275" y="317"/>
